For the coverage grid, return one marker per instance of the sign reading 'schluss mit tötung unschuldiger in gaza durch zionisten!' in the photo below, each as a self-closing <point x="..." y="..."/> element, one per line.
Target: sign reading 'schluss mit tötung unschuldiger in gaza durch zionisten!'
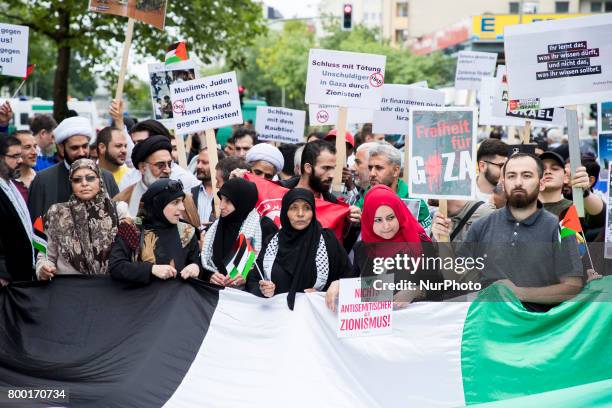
<point x="561" y="62"/>
<point x="345" y="79"/>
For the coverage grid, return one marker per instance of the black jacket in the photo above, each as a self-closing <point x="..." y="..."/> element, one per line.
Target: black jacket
<point x="339" y="267"/>
<point x="15" y="245"/>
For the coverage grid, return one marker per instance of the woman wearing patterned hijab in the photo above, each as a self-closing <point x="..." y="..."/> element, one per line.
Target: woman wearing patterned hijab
<point x="302" y="256"/>
<point x="81" y="231"/>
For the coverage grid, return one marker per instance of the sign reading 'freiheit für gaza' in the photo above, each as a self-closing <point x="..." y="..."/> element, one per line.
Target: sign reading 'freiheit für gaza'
<point x="346" y="79"/>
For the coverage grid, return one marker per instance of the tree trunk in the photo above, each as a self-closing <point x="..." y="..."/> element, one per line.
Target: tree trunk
<point x="60" y="84"/>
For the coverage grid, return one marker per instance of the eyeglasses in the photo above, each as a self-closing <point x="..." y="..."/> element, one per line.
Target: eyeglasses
<point x="500" y="165"/>
<point x="13" y="156"/>
<point x="79" y="180"/>
<point x="162" y="165"/>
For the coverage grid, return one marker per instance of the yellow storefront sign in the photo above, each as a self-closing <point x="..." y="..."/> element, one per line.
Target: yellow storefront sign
<point x="491" y="26"/>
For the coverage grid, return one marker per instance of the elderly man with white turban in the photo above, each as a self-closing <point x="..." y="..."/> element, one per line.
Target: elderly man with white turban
<point x="52" y="185"/>
<point x="266" y="160"/>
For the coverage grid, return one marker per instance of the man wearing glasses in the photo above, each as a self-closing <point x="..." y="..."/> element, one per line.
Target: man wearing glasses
<point x="491" y="157"/>
<point x="153" y="159"/>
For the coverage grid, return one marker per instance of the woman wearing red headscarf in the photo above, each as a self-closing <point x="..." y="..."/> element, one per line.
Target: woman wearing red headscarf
<point x="389" y="229"/>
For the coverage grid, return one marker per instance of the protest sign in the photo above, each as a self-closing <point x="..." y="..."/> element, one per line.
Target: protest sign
<point x="207" y="103"/>
<point x="501" y="106"/>
<point x="13" y="50"/>
<point x="604" y="147"/>
<point x="604" y="117"/>
<point x="562" y="62"/>
<point x="472" y="66"/>
<point x="150" y="12"/>
<point x="397" y="100"/>
<point x="327" y="115"/>
<point x="358" y="317"/>
<point x="161" y="76"/>
<point x="280" y="124"/>
<point x="442" y="153"/>
<point x="345" y="79"/>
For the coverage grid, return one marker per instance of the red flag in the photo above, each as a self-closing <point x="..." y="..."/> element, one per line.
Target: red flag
<point x="29" y="71"/>
<point x="330" y="215"/>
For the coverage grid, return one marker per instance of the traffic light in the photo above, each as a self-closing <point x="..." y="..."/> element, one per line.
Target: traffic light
<point x="347" y="19"/>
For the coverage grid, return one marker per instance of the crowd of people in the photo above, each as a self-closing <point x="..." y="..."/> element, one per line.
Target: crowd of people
<point x="115" y="202"/>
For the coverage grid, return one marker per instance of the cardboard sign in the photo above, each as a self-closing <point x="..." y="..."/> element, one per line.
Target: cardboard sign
<point x="327" y="115"/>
<point x="150" y="12"/>
<point x="206" y="103"/>
<point x="161" y="76"/>
<point x="13" y="50"/>
<point x="357" y="317"/>
<point x="472" y="66"/>
<point x="280" y="124"/>
<point x="347" y="79"/>
<point x="502" y="105"/>
<point x="604" y="117"/>
<point x="392" y="118"/>
<point x="563" y="62"/>
<point x="442" y="153"/>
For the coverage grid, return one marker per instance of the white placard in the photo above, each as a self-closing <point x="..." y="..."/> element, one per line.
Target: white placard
<point x="472" y="66"/>
<point x="13" y="50"/>
<point x="562" y="62"/>
<point x="207" y="103"/>
<point x="347" y="79"/>
<point x="357" y="316"/>
<point x="392" y="118"/>
<point x="538" y="117"/>
<point x="280" y="124"/>
<point x="327" y="115"/>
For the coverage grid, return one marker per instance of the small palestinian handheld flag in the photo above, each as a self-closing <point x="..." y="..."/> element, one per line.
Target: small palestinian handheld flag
<point x="570" y="225"/>
<point x="29" y="71"/>
<point x="176" y="53"/>
<point x="242" y="258"/>
<point x="39" y="240"/>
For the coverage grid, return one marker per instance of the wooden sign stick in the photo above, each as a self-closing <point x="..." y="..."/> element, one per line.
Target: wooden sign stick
<point x="127" y="44"/>
<point x="526" y="134"/>
<point x="180" y="149"/>
<point x="443" y="208"/>
<point x="406" y="163"/>
<point x="574" y="152"/>
<point x="213" y="159"/>
<point x="340" y="149"/>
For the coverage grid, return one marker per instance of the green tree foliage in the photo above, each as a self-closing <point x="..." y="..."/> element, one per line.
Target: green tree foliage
<point x="282" y="60"/>
<point x="70" y="35"/>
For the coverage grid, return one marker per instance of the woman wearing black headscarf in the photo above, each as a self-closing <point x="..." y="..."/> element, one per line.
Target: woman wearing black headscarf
<point x="238" y="215"/>
<point x="163" y="246"/>
<point x="302" y="256"/>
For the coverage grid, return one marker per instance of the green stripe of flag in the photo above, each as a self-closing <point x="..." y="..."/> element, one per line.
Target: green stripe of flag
<point x="509" y="352"/>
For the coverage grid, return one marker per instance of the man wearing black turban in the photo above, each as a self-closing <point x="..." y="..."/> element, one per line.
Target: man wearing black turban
<point x="153" y="159"/>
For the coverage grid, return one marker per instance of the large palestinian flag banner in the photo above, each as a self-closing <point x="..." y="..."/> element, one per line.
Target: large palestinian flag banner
<point x="186" y="344"/>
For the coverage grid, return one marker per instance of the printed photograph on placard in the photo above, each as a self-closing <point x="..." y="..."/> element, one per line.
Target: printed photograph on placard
<point x="148" y="11"/>
<point x="442" y="153"/>
<point x="161" y="76"/>
<point x="604" y="117"/>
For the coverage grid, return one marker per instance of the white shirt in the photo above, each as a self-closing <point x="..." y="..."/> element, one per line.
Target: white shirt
<point x="205" y="203"/>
